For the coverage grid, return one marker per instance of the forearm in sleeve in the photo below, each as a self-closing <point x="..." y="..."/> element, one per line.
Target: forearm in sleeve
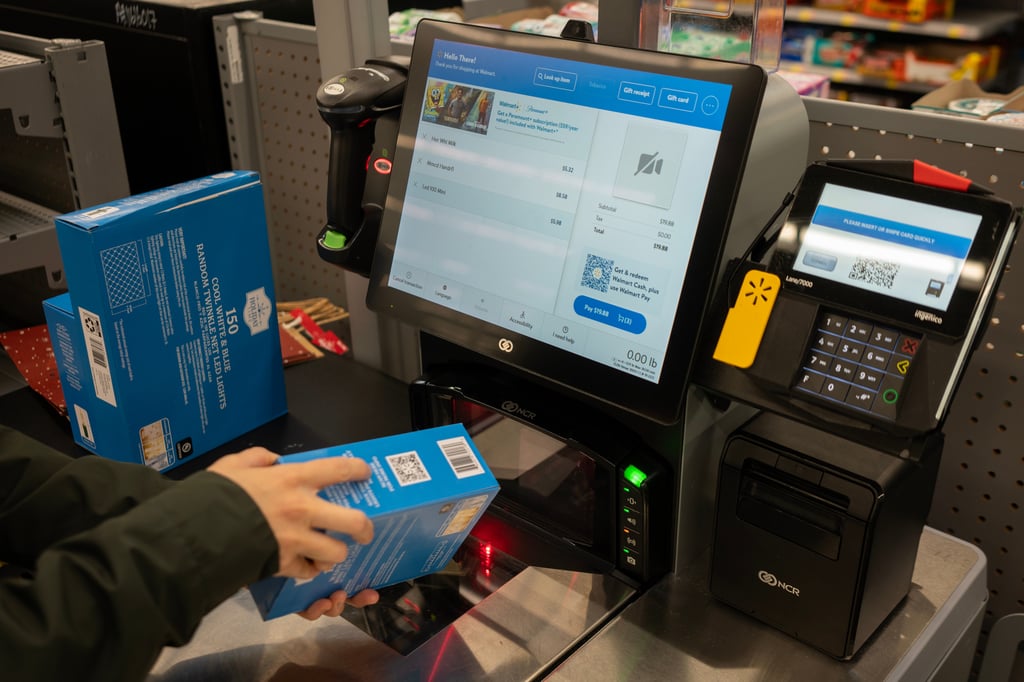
<point x="104" y="602"/>
<point x="46" y="495"/>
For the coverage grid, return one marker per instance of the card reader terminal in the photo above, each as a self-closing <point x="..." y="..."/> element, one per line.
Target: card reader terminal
<point x="884" y="287"/>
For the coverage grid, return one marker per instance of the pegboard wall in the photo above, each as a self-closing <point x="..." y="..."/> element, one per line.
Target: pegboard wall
<point x="981" y="481"/>
<point x="270" y="76"/>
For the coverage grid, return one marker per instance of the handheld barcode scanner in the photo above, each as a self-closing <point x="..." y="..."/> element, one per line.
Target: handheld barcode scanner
<point x="362" y="108"/>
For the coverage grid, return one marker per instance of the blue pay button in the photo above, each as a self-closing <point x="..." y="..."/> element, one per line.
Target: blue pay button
<point x="611" y="315"/>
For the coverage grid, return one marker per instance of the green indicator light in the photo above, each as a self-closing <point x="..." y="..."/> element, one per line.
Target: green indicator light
<point x="634" y="476"/>
<point x="334" y="239"/>
<point x="625" y="551"/>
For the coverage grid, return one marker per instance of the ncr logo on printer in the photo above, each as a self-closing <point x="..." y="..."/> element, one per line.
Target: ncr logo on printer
<point x="770" y="580"/>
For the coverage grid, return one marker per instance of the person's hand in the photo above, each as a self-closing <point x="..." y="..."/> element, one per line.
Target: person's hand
<point x="333" y="605"/>
<point x="287" y="496"/>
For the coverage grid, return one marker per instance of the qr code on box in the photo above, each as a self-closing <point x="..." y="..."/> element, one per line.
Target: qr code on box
<point x="408" y="468"/>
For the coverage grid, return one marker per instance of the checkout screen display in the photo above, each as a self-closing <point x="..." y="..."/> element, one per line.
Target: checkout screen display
<point x="558" y="199"/>
<point x="904" y="249"/>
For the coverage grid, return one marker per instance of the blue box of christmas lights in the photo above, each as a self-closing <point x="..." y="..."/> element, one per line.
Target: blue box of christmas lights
<point x="426" y="491"/>
<point x="167" y="341"/>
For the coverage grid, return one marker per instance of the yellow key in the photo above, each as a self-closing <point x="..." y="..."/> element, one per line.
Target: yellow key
<point x="744" y="325"/>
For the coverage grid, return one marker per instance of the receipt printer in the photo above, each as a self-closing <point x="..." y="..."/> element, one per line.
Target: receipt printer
<point x="815" y="534"/>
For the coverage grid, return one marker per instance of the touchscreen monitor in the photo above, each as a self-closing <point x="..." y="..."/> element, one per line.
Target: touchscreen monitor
<point x="561" y="205"/>
<point x="916" y="254"/>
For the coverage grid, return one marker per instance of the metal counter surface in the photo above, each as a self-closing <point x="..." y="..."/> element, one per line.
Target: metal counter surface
<point x="677" y="630"/>
<point x="514" y="634"/>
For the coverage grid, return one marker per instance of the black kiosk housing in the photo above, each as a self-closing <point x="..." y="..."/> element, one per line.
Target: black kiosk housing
<point x="553" y="226"/>
<point x="552" y="215"/>
<point x="851" y="343"/>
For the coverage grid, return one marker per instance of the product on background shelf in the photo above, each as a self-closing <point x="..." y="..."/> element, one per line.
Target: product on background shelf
<point x="908" y="10"/>
<point x="966" y="99"/>
<point x="838" y="5"/>
<point x="885" y="62"/>
<point x="1010" y="118"/>
<point x="940" y="63"/>
<point x="806" y="84"/>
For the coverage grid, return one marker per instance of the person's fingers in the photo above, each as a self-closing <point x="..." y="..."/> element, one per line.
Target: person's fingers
<point x="297" y="567"/>
<point x="365" y="598"/>
<point x="250" y="457"/>
<point x="258" y="457"/>
<point x="338" y="600"/>
<point x="332" y="517"/>
<point x="334" y="604"/>
<point x="320" y="473"/>
<point x="317" y="609"/>
<point x="320" y="549"/>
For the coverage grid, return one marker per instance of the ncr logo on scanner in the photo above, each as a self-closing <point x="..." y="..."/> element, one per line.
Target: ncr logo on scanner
<point x="770" y="580"/>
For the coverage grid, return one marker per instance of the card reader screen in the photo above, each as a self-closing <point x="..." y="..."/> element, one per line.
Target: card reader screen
<point x="904" y="249"/>
<point x="917" y="256"/>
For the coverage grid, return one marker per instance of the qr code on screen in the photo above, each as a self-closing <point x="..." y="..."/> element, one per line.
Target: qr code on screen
<point x="597" y="273"/>
<point x="408" y="468"/>
<point x="879" y="273"/>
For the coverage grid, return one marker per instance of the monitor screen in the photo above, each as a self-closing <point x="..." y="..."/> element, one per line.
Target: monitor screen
<point x="561" y="206"/>
<point x="916" y="254"/>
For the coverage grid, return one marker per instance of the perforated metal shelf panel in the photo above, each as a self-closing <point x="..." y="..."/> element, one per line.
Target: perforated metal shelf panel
<point x="981" y="482"/>
<point x="288" y="143"/>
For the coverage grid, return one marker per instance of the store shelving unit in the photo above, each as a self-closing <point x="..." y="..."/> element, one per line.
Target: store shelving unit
<point x="60" y="147"/>
<point x="969" y="24"/>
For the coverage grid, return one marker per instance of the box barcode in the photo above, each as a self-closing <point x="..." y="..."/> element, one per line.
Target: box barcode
<point x="460" y="457"/>
<point x="99" y="353"/>
<point x="92" y="330"/>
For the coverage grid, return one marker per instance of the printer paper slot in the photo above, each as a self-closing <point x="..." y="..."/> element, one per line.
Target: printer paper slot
<point x="790" y="515"/>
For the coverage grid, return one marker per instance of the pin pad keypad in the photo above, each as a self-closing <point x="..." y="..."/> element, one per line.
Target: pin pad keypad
<point x="857" y="365"/>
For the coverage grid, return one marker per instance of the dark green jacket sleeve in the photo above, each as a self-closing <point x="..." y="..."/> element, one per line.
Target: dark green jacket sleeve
<point x="125" y="561"/>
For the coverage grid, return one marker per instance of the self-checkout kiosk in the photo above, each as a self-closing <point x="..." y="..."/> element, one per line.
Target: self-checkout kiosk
<point x="577" y="229"/>
<point x="553" y="215"/>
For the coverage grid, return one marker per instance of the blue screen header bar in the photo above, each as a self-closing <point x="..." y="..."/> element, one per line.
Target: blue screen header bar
<point x="893" y="231"/>
<point x="667" y="98"/>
